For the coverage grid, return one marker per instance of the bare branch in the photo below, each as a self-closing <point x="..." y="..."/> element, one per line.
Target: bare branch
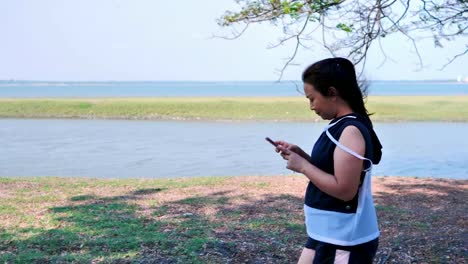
<point x="281" y="42"/>
<point x="357" y="24"/>
<point x="236" y="34"/>
<point x="322" y="19"/>
<point x="413" y="42"/>
<point x="298" y="41"/>
<point x="455" y="57"/>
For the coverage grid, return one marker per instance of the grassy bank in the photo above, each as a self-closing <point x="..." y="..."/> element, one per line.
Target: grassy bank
<point x="386" y="108"/>
<point x="212" y="220"/>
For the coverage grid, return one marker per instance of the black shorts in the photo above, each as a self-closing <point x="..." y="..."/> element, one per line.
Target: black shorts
<point x="359" y="254"/>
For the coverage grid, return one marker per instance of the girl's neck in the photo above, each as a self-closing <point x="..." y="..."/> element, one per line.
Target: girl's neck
<point x="344" y="110"/>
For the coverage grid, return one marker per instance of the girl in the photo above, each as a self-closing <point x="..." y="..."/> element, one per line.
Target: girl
<point x="339" y="212"/>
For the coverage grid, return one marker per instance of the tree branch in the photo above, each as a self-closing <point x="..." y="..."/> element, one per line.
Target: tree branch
<point x="358" y="24"/>
<point x="455" y="57"/>
<point x="298" y="41"/>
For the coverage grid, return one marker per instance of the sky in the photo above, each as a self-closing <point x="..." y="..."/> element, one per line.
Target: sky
<point x="155" y="40"/>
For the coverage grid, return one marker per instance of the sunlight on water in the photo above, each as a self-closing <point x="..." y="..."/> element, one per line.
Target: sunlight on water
<point x="155" y="149"/>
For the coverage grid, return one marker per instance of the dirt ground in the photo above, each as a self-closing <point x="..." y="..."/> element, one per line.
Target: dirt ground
<point x="260" y="219"/>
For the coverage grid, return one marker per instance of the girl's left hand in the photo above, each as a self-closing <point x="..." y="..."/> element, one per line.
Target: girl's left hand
<point x="295" y="161"/>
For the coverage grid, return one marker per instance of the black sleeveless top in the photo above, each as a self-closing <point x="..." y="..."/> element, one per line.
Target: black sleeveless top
<point x="322" y="157"/>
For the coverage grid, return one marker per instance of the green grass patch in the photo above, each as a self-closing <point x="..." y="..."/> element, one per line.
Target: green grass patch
<point x="62" y="220"/>
<point x="423" y="226"/>
<point x="391" y="209"/>
<point x="261" y="223"/>
<point x="261" y="185"/>
<point x="7" y="209"/>
<point x="386" y="108"/>
<point x="200" y="201"/>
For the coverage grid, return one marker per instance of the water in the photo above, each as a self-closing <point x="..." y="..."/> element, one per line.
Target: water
<point x="172" y="89"/>
<point x="160" y="149"/>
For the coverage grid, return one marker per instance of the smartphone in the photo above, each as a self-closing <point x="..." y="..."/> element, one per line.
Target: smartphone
<point x="271" y="141"/>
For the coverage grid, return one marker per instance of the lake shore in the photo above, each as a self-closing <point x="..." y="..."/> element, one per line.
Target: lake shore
<point x="241" y="219"/>
<point x="386" y="108"/>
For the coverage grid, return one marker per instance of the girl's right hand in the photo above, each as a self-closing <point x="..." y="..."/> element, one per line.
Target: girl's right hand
<point x="293" y="148"/>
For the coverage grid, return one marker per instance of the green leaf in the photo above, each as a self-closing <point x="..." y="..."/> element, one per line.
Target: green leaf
<point x="296" y="6"/>
<point x="345" y="27"/>
<point x="286" y="7"/>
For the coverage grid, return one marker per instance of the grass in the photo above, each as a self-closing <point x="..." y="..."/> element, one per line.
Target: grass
<point x="79" y="220"/>
<point x="209" y="220"/>
<point x="386" y="108"/>
<point x="390" y="209"/>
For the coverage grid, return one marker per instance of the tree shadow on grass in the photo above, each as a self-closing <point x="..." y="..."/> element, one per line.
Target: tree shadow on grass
<point x="214" y="228"/>
<point x="226" y="228"/>
<point x="419" y="223"/>
<point x="91" y="228"/>
<point x="422" y="221"/>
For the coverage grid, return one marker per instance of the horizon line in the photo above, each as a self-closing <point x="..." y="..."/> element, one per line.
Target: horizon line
<point x="214" y="81"/>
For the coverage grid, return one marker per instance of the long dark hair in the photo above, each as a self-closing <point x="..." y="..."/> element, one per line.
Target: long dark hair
<point x="339" y="73"/>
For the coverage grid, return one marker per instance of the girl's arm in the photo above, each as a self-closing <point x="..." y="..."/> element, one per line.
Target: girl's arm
<point x="345" y="183"/>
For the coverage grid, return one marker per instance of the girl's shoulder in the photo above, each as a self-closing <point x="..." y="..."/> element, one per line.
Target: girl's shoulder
<point x="350" y="120"/>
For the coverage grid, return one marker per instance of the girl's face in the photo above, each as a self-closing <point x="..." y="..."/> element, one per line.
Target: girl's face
<point x="320" y="104"/>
